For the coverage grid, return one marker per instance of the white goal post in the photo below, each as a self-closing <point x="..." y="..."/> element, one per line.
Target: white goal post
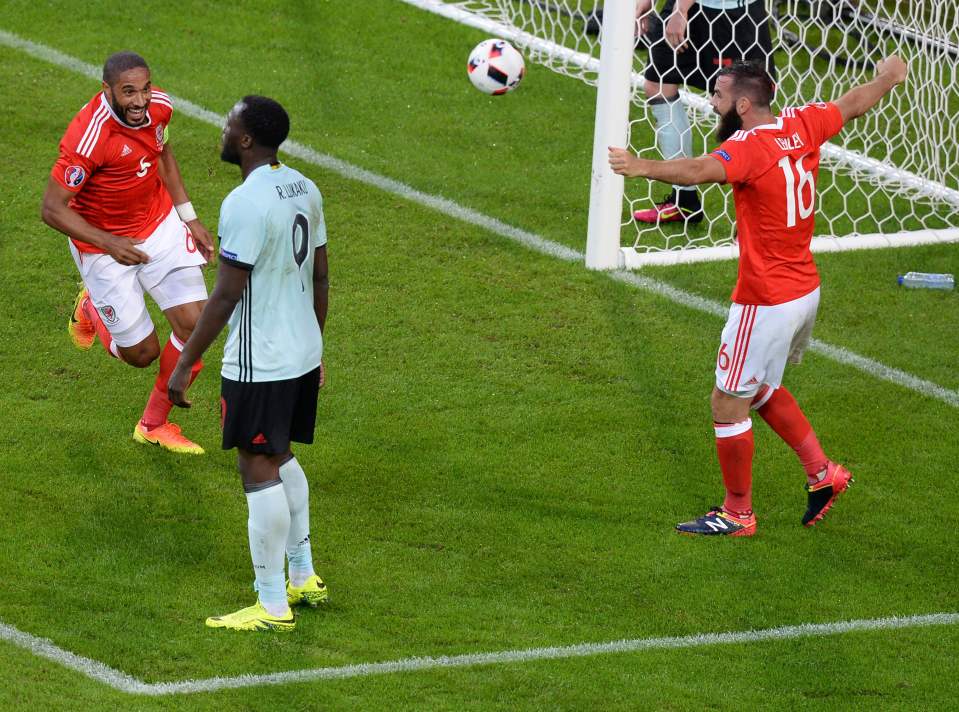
<point x="889" y="179"/>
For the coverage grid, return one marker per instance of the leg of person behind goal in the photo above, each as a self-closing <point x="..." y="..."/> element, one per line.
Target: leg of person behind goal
<point x="666" y="69"/>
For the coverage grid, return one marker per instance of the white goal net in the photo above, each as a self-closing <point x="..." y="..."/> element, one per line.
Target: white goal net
<point x="890" y="178"/>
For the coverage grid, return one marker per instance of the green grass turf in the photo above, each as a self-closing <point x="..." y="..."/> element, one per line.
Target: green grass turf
<point x="505" y="441"/>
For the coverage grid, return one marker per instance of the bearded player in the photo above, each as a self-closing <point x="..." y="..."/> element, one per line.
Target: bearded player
<point x="117" y="193"/>
<point x="772" y="163"/>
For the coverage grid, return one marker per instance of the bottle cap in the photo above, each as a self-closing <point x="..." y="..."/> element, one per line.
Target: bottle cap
<point x="899" y="280"/>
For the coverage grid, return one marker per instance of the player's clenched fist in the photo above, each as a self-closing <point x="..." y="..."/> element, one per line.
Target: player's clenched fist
<point x="893" y="67"/>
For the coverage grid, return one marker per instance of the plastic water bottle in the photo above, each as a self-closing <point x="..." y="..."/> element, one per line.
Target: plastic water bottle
<point x="927" y="280"/>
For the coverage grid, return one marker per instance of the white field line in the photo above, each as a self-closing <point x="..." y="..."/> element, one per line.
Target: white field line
<point x="528" y="239"/>
<point x="125" y="683"/>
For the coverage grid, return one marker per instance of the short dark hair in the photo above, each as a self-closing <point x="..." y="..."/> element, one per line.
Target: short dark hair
<point x="265" y="120"/>
<point x="750" y="79"/>
<point x="121" y="62"/>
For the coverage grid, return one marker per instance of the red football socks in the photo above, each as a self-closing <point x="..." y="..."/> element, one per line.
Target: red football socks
<point x="159" y="405"/>
<point x="785" y="417"/>
<point x="734" y="445"/>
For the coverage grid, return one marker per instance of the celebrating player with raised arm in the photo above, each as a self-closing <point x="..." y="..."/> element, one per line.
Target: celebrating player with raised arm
<point x="112" y="191"/>
<point x="772" y="163"/>
<point x="272" y="289"/>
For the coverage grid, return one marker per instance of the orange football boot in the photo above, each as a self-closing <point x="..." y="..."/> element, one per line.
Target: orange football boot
<point x="80" y="328"/>
<point x="167" y="436"/>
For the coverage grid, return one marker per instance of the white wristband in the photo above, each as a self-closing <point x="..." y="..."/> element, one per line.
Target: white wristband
<point x="186" y="211"/>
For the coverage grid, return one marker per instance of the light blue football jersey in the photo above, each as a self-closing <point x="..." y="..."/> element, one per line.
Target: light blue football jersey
<point x="271" y="224"/>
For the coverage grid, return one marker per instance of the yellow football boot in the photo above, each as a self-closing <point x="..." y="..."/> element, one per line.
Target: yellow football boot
<point x="253" y="618"/>
<point x="312" y="593"/>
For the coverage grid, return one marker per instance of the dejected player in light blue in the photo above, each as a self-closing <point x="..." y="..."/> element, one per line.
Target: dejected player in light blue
<point x="272" y="289"/>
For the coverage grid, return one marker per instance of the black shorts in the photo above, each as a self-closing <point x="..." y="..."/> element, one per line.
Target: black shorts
<point x="264" y="417"/>
<point x="715" y="39"/>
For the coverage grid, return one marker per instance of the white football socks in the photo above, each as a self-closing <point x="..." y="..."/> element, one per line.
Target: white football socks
<point x="673" y="133"/>
<point x="268" y="526"/>
<point x="298" y="550"/>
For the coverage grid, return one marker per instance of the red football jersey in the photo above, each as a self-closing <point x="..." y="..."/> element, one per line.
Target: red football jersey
<point x="113" y="169"/>
<point x="773" y="170"/>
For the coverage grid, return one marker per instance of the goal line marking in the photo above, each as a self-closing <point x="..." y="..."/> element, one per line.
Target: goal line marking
<point x="122" y="682"/>
<point x="523" y="237"/>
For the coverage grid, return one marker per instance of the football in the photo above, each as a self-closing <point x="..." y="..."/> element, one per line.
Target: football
<point x="495" y="67"/>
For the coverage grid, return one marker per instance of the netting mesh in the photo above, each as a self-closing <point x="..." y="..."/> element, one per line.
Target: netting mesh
<point x="895" y="169"/>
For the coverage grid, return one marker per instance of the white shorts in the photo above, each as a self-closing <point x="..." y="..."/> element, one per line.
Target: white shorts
<point x="172" y="277"/>
<point x="758" y="341"/>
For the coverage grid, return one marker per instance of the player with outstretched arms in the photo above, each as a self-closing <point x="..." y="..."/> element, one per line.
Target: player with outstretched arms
<point x="112" y="191"/>
<point x="772" y="163"/>
<point x="272" y="289"/>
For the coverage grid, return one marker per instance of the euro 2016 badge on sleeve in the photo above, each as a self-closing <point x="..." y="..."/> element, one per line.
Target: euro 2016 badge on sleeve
<point x="73" y="176"/>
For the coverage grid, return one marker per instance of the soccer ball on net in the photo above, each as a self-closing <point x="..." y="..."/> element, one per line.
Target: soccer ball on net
<point x="495" y="67"/>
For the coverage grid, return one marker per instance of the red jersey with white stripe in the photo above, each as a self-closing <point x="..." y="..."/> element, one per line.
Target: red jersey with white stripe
<point x="773" y="170"/>
<point x="113" y="169"/>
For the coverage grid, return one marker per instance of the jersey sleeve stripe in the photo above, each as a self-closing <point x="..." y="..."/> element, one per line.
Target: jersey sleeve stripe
<point x="92" y="134"/>
<point x="161" y="102"/>
<point x="162" y="96"/>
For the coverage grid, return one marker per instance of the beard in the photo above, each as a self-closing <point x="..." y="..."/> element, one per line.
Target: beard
<point x="122" y="113"/>
<point x="229" y="154"/>
<point x="729" y="123"/>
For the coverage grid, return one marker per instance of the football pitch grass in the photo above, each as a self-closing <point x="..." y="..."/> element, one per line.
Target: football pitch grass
<point x="506" y="439"/>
